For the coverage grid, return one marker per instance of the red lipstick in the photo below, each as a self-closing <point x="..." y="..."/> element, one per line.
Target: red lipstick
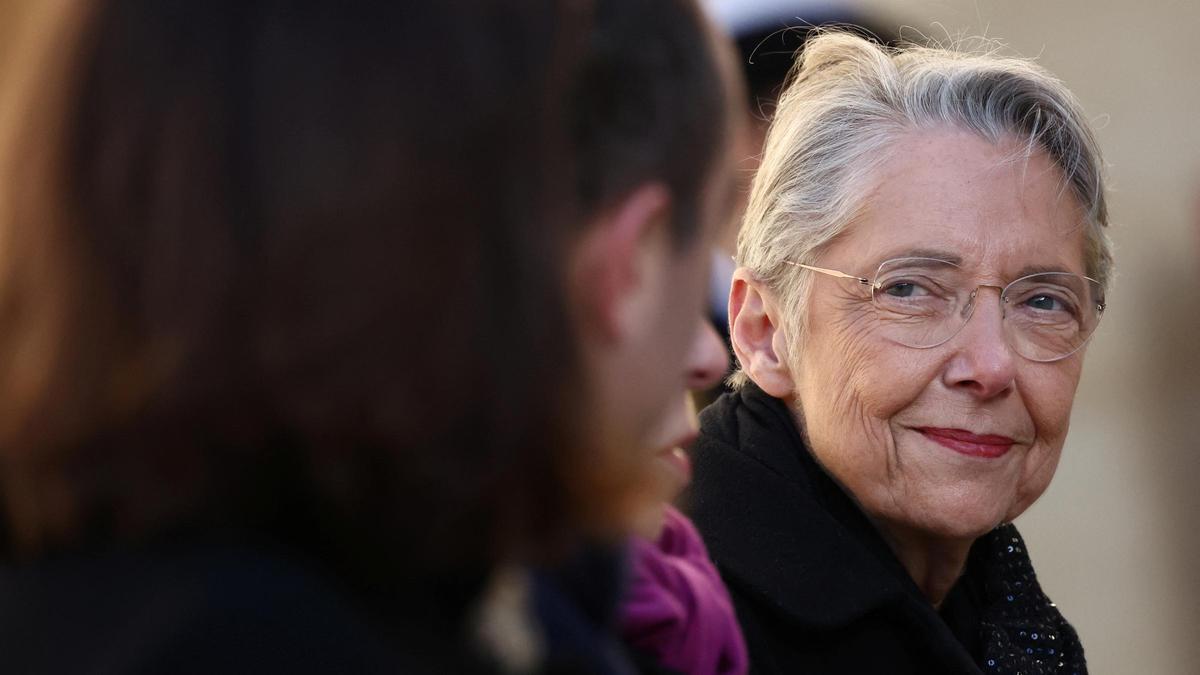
<point x="962" y="441"/>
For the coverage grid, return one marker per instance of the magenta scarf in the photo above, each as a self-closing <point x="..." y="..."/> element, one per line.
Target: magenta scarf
<point x="677" y="609"/>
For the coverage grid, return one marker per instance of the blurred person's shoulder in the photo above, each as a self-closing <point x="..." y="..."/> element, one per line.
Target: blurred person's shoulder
<point x="202" y="608"/>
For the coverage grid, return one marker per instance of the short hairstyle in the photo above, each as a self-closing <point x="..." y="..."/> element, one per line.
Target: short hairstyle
<point x="298" y="267"/>
<point x="645" y="107"/>
<point x="849" y="99"/>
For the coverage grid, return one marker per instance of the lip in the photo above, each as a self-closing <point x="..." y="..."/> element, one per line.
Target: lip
<point x="988" y="446"/>
<point x="676" y="456"/>
<point x="680" y="463"/>
<point x="685" y="441"/>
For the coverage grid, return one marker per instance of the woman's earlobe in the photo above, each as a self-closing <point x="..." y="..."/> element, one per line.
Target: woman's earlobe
<point x="753" y="329"/>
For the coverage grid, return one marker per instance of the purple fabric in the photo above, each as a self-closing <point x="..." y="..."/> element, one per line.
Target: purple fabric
<point x="676" y="607"/>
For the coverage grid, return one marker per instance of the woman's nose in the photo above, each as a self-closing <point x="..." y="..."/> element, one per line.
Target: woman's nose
<point x="983" y="362"/>
<point x="707" y="359"/>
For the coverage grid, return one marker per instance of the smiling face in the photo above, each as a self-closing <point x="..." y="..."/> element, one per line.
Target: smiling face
<point x="952" y="440"/>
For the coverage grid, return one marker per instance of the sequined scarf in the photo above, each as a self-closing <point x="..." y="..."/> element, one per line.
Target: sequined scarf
<point x="1023" y="632"/>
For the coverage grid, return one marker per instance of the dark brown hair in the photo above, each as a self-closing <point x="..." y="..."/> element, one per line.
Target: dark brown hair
<point x="649" y="102"/>
<point x="296" y="267"/>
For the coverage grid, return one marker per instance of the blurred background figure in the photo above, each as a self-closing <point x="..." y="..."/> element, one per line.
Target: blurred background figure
<point x="769" y="34"/>
<point x="324" y="323"/>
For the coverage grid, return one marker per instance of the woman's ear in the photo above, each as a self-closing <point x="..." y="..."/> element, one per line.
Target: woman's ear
<point x="757" y="340"/>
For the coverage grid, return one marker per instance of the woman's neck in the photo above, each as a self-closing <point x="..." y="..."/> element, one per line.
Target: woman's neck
<point x="934" y="563"/>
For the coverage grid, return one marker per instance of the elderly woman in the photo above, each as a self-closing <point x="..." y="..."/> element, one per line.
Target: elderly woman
<point x="920" y="268"/>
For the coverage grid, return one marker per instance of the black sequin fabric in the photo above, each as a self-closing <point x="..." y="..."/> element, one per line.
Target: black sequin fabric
<point x="1023" y="632"/>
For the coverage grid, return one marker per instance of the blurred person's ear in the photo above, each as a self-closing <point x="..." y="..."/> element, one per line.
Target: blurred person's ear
<point x="754" y="330"/>
<point x="618" y="264"/>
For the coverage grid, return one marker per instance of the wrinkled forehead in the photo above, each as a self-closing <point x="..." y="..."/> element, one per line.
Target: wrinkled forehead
<point x="998" y="207"/>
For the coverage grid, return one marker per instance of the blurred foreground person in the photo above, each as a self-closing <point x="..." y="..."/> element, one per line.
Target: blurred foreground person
<point x="322" y="322"/>
<point x="677" y="614"/>
<point x="921" y="266"/>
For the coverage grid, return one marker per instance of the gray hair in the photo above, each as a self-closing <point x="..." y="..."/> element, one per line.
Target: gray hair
<point x="850" y="99"/>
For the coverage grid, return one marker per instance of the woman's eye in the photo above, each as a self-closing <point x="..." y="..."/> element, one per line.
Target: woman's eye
<point x="1044" y="302"/>
<point x="1048" y="303"/>
<point x="905" y="289"/>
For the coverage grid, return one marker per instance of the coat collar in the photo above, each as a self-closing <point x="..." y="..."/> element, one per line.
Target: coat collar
<point x="779" y="526"/>
<point x="827" y="566"/>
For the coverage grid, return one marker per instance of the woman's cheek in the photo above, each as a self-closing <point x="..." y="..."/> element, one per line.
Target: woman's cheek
<point x="1039" y="472"/>
<point x="1049" y="400"/>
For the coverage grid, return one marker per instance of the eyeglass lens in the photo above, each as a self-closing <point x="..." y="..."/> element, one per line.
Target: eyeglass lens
<point x="923" y="302"/>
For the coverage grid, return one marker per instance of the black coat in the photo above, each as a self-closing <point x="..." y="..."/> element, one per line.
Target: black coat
<point x="208" y="603"/>
<point x="576" y="605"/>
<point x="208" y="607"/>
<point x="816" y="588"/>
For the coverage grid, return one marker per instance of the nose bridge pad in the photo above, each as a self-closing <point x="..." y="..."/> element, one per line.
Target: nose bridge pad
<point x="964" y="314"/>
<point x="969" y="308"/>
<point x="968" y="311"/>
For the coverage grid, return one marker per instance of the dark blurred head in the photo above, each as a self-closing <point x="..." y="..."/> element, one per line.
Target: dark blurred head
<point x="656" y="114"/>
<point x="770" y="36"/>
<point x="301" y="267"/>
<point x="648" y="104"/>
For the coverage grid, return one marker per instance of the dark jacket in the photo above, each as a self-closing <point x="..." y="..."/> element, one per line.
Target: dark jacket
<point x="576" y="605"/>
<point x="818" y="590"/>
<point x="235" y="603"/>
<point x="209" y="606"/>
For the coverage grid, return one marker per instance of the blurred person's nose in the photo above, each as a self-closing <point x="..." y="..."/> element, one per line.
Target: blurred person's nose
<point x="707" y="359"/>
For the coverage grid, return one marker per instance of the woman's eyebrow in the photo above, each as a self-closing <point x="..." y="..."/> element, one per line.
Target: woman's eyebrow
<point x="947" y="256"/>
<point x="936" y="254"/>
<point x="1042" y="269"/>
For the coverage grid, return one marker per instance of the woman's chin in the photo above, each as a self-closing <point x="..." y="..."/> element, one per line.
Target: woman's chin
<point x="960" y="522"/>
<point x="952" y="519"/>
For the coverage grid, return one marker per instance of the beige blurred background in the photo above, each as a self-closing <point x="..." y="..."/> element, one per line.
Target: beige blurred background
<point x="1113" y="540"/>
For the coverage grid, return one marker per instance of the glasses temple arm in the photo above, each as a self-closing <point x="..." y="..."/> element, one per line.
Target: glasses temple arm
<point x="832" y="273"/>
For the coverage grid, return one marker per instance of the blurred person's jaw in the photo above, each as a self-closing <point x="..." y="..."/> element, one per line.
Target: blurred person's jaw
<point x="707" y="361"/>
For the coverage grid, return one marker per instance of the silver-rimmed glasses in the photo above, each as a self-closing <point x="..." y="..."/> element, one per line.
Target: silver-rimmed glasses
<point x="924" y="302"/>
